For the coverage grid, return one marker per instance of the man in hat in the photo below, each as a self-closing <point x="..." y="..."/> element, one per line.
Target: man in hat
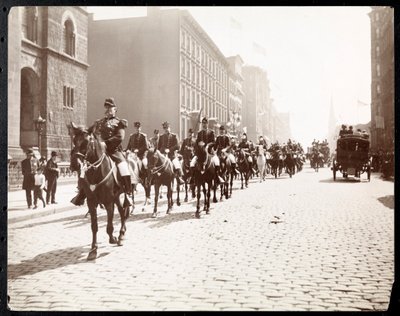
<point x="168" y="145"/>
<point x="138" y="144"/>
<point x="205" y="137"/>
<point x="350" y="132"/>
<point x="29" y="166"/>
<point x="343" y="131"/>
<point x="223" y="144"/>
<point x="112" y="131"/>
<point x="52" y="173"/>
<point x="188" y="143"/>
<point x="245" y="145"/>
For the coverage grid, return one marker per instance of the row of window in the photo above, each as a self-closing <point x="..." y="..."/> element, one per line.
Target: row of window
<point x="198" y="54"/>
<point x="68" y="96"/>
<point x="30" y="30"/>
<point x="194" y="100"/>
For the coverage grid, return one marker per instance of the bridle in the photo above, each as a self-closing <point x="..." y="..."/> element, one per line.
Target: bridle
<point x="157" y="169"/>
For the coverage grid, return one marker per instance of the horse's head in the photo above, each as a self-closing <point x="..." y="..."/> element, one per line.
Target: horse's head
<point x="80" y="142"/>
<point x="95" y="148"/>
<point x="153" y="156"/>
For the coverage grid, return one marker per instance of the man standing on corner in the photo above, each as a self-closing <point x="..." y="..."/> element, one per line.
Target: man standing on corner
<point x="52" y="173"/>
<point x="29" y="166"/>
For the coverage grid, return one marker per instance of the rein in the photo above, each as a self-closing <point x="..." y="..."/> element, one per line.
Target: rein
<point x="159" y="168"/>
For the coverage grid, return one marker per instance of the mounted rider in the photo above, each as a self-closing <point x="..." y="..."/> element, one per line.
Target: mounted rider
<point x="245" y="145"/>
<point x="168" y="145"/>
<point x="188" y="143"/>
<point x="138" y="144"/>
<point x="205" y="137"/>
<point x="155" y="139"/>
<point x="223" y="145"/>
<point x="111" y="129"/>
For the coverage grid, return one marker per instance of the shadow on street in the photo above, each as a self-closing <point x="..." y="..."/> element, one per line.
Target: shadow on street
<point x="50" y="260"/>
<point x="387" y="200"/>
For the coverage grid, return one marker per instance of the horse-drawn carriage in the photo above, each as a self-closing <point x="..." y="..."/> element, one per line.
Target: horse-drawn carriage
<point x="352" y="157"/>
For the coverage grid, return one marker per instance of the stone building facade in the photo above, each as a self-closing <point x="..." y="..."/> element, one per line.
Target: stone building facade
<point x="47" y="74"/>
<point x="160" y="67"/>
<point x="382" y="78"/>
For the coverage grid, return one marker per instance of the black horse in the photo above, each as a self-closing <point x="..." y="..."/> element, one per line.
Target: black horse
<point x="187" y="157"/>
<point x="98" y="178"/>
<point x="228" y="173"/>
<point x="290" y="162"/>
<point x="161" y="172"/>
<point x="204" y="173"/>
<point x="244" y="167"/>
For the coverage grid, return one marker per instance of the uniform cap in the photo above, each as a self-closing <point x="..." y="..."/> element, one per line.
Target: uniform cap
<point x="165" y="124"/>
<point x="137" y="124"/>
<point x="54" y="153"/>
<point x="190" y="130"/>
<point x="204" y="120"/>
<point x="156" y="131"/>
<point x="29" y="151"/>
<point x="109" y="102"/>
<point x="222" y="128"/>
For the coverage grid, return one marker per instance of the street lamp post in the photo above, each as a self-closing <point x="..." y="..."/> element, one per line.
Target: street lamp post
<point x="39" y="125"/>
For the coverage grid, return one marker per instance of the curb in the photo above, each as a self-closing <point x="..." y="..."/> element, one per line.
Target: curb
<point x="42" y="213"/>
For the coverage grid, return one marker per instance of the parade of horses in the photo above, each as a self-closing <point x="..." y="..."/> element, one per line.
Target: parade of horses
<point x="203" y="167"/>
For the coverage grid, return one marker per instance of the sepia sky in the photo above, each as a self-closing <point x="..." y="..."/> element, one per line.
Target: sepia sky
<point x="312" y="55"/>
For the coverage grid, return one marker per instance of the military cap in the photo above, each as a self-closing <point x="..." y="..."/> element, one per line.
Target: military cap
<point x="29" y="151"/>
<point x="54" y="154"/>
<point x="156" y="131"/>
<point x="165" y="124"/>
<point x="343" y="126"/>
<point x="204" y="120"/>
<point x="222" y="127"/>
<point x="137" y="124"/>
<point x="190" y="130"/>
<point x="109" y="102"/>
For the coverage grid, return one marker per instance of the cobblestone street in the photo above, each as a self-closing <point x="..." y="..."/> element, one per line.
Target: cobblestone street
<point x="306" y="243"/>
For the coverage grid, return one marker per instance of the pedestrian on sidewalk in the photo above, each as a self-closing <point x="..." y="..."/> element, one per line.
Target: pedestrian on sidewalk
<point x="52" y="173"/>
<point x="29" y="167"/>
<point x="39" y="186"/>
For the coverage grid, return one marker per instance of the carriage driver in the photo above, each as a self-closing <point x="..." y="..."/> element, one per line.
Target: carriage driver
<point x="204" y="137"/>
<point x="138" y="144"/>
<point x="168" y="145"/>
<point x="112" y="132"/>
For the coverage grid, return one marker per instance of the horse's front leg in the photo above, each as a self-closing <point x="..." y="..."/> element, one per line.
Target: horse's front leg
<point x="241" y="179"/>
<point x="110" y="227"/>
<point x="207" y="204"/>
<point x="186" y="191"/>
<point x="169" y="197"/>
<point x="198" y="200"/>
<point x="93" y="221"/>
<point x="178" y="189"/>
<point x="123" y="214"/>
<point x="215" y="191"/>
<point x="157" y="191"/>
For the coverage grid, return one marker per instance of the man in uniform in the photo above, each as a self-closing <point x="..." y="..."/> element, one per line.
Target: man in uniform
<point x="112" y="132"/>
<point x="223" y="143"/>
<point x="154" y="140"/>
<point x="167" y="145"/>
<point x="188" y="143"/>
<point x="29" y="167"/>
<point x="138" y="144"/>
<point x="205" y="137"/>
<point x="343" y="131"/>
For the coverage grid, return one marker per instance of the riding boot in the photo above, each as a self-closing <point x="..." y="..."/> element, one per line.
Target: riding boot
<point x="79" y="199"/>
<point x="179" y="174"/>
<point x="127" y="185"/>
<point x="219" y="176"/>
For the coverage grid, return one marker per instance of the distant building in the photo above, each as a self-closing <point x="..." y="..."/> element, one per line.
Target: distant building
<point x="256" y="103"/>
<point x="160" y="67"/>
<point x="282" y="127"/>
<point x="47" y="73"/>
<point x="382" y="78"/>
<point x="235" y="94"/>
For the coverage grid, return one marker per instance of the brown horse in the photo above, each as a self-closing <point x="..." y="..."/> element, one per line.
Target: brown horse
<point x="161" y="172"/>
<point x="98" y="179"/>
<point x="244" y="167"/>
<point x="228" y="173"/>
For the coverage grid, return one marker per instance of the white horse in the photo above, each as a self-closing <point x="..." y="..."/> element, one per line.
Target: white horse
<point x="261" y="162"/>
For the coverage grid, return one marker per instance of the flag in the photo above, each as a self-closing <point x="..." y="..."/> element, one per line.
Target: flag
<point x="259" y="49"/>
<point x="235" y="24"/>
<point x="361" y="104"/>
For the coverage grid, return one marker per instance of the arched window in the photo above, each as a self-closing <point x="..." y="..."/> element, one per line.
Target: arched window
<point x="69" y="38"/>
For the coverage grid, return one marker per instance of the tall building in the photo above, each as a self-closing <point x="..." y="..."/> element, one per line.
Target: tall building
<point x="47" y="73"/>
<point x="256" y="103"/>
<point x="382" y="78"/>
<point x="282" y="127"/>
<point x="160" y="67"/>
<point x="235" y="94"/>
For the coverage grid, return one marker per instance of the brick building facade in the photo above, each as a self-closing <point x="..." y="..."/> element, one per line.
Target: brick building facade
<point x="382" y="78"/>
<point x="160" y="67"/>
<point x="47" y="76"/>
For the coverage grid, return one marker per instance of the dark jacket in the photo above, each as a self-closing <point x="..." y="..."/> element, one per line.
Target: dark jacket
<point x="51" y="169"/>
<point x="221" y="142"/>
<point x="112" y="131"/>
<point x="187" y="144"/>
<point x="29" y="167"/>
<point x="138" y="141"/>
<point x="168" y="141"/>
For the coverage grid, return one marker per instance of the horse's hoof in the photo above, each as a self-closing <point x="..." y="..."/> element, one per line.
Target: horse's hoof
<point x="120" y="242"/>
<point x="92" y="254"/>
<point x="207" y="212"/>
<point x="197" y="214"/>
<point x="178" y="203"/>
<point x="154" y="215"/>
<point x="185" y="200"/>
<point x="113" y="240"/>
<point x="215" y="201"/>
